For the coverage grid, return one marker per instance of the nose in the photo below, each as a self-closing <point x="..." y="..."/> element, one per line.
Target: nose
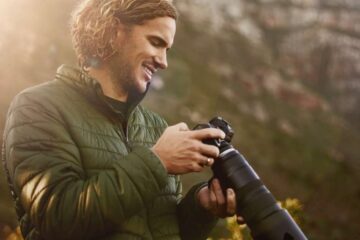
<point x="161" y="60"/>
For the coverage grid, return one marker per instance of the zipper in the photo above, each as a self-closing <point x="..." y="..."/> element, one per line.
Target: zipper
<point x="126" y="132"/>
<point x="124" y="135"/>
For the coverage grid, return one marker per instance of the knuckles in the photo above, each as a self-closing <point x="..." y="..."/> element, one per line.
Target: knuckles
<point x="183" y="126"/>
<point x="216" y="151"/>
<point x="195" y="147"/>
<point x="214" y="133"/>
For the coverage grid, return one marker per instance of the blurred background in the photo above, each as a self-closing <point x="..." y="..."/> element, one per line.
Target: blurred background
<point x="284" y="73"/>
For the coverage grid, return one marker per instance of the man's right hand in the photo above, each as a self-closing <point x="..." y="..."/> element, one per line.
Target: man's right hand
<point x="182" y="150"/>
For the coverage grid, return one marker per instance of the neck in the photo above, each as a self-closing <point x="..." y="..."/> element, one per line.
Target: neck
<point x="107" y="82"/>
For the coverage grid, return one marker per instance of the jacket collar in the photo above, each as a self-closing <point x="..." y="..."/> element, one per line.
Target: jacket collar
<point x="89" y="86"/>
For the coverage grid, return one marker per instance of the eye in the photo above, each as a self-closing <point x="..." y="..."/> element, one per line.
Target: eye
<point x="155" y="42"/>
<point x="158" y="42"/>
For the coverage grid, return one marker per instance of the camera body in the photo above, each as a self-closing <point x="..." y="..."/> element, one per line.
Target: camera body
<point x="255" y="203"/>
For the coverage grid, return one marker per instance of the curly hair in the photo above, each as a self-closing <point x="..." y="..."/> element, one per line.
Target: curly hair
<point x="95" y="22"/>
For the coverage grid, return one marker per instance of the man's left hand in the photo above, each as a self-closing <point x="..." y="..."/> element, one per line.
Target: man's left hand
<point x="212" y="199"/>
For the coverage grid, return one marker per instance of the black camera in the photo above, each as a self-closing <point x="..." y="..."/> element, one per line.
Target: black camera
<point x="255" y="203"/>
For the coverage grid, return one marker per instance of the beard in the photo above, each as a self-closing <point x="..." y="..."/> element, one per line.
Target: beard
<point x="123" y="78"/>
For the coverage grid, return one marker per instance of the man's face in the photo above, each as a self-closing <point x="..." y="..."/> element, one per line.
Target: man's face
<point x="141" y="52"/>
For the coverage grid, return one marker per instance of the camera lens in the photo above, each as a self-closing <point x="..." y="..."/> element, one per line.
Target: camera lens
<point x="254" y="202"/>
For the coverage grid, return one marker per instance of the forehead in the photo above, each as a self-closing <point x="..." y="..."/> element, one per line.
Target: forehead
<point x="163" y="27"/>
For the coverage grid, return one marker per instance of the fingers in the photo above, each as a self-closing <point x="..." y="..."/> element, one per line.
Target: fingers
<point x="206" y="133"/>
<point x="209" y="162"/>
<point x="231" y="202"/>
<point x="208" y="150"/>
<point x="201" y="134"/>
<point x="182" y="151"/>
<point x="203" y="151"/>
<point x="220" y="198"/>
<point x="213" y="201"/>
<point x="204" y="197"/>
<point x="225" y="206"/>
<point x="204" y="161"/>
<point x="198" y="135"/>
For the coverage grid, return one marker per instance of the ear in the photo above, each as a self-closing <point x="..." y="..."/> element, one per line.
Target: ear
<point x="117" y="38"/>
<point x="122" y="31"/>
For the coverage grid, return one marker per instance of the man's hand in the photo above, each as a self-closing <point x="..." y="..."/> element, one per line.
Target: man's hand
<point x="212" y="199"/>
<point x="182" y="151"/>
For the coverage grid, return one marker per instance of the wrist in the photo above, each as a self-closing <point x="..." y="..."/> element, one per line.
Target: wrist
<point x="155" y="152"/>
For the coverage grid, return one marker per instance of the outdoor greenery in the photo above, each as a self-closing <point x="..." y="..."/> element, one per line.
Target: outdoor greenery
<point x="285" y="74"/>
<point x="234" y="230"/>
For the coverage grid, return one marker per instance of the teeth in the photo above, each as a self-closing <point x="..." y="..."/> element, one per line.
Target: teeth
<point x="148" y="71"/>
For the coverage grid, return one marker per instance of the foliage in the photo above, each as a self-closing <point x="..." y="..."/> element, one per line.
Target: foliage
<point x="284" y="73"/>
<point x="242" y="232"/>
<point x="237" y="232"/>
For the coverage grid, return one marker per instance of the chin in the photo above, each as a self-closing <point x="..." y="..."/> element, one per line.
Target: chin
<point x="139" y="91"/>
<point x="145" y="88"/>
<point x="143" y="85"/>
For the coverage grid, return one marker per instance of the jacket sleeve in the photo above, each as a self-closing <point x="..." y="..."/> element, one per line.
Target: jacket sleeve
<point x="46" y="170"/>
<point x="195" y="222"/>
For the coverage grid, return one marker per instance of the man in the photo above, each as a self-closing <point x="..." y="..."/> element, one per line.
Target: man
<point x="86" y="161"/>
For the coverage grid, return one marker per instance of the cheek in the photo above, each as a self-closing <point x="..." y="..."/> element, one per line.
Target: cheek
<point x="148" y="50"/>
<point x="139" y="61"/>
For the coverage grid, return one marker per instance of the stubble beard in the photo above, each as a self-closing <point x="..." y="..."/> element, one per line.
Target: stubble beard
<point x="121" y="76"/>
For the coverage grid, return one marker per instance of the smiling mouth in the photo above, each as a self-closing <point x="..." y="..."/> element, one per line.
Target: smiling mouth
<point x="149" y="71"/>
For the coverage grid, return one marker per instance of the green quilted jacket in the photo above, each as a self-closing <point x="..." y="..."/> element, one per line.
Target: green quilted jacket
<point x="75" y="173"/>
